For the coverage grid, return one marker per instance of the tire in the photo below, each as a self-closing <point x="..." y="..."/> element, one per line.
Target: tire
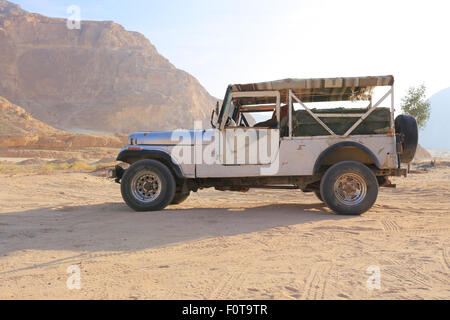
<point x="318" y="195"/>
<point x="361" y="183"/>
<point x="180" y="198"/>
<point x="406" y="127"/>
<point x="148" y="185"/>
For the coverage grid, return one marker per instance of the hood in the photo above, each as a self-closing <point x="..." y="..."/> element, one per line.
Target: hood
<point x="165" y="138"/>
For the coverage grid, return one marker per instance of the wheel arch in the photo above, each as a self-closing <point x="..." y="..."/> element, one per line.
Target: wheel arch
<point x="354" y="152"/>
<point x="132" y="156"/>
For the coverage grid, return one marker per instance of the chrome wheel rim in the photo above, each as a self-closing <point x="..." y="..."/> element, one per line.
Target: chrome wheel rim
<point x="350" y="189"/>
<point x="146" y="186"/>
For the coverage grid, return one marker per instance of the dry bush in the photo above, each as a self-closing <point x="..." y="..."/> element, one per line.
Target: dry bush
<point x="76" y="166"/>
<point x="12" y="168"/>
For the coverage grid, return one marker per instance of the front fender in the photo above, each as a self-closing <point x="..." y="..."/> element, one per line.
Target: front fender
<point x="132" y="156"/>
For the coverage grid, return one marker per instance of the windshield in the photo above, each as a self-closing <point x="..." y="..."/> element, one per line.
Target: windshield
<point x="231" y="110"/>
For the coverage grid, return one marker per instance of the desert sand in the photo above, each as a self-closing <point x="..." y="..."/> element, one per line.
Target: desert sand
<point x="259" y="245"/>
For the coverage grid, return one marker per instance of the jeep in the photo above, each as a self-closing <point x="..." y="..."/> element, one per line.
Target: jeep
<point x="343" y="155"/>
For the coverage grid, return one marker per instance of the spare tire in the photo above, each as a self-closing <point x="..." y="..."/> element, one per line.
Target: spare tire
<point x="408" y="136"/>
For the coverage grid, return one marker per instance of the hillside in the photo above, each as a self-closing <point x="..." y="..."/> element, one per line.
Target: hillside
<point x="422" y="153"/>
<point x="100" y="78"/>
<point x="436" y="134"/>
<point x="18" y="129"/>
<point x="15" y="121"/>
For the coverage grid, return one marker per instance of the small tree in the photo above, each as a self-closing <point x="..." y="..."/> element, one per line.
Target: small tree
<point x="415" y="104"/>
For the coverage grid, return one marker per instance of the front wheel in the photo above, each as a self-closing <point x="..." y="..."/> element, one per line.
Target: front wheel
<point x="148" y="185"/>
<point x="349" y="188"/>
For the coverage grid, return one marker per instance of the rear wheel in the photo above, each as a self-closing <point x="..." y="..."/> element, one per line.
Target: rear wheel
<point x="148" y="185"/>
<point x="349" y="188"/>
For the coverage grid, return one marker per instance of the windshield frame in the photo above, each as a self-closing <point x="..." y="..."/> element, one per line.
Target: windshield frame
<point x="224" y="106"/>
<point x="230" y="95"/>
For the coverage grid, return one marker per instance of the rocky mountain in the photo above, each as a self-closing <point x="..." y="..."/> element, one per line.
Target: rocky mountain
<point x="100" y="78"/>
<point x="437" y="132"/>
<point x="18" y="129"/>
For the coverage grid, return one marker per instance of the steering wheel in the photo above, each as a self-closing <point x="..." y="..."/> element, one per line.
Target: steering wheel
<point x="230" y="122"/>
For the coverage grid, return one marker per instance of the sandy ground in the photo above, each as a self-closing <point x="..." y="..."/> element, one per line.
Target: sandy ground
<point x="259" y="245"/>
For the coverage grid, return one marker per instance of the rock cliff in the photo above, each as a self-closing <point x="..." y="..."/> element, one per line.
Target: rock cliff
<point x="100" y="78"/>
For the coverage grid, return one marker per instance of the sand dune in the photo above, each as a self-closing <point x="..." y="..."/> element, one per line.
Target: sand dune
<point x="260" y="245"/>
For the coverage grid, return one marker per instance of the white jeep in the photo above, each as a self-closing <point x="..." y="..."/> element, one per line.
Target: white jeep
<point x="343" y="155"/>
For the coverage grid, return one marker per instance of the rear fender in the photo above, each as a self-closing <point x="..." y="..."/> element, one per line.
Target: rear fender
<point x="320" y="160"/>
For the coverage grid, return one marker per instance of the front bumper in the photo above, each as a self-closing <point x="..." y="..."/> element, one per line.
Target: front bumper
<point x="116" y="173"/>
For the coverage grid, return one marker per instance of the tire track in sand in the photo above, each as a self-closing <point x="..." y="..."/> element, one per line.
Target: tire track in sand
<point x="390" y="225"/>
<point x="412" y="232"/>
<point x="226" y="285"/>
<point x="446" y="258"/>
<point x="401" y="272"/>
<point x="316" y="282"/>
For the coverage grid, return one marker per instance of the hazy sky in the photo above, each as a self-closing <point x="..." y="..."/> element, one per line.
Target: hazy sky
<point x="240" y="41"/>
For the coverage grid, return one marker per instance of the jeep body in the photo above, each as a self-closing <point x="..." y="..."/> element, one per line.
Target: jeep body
<point x="342" y="155"/>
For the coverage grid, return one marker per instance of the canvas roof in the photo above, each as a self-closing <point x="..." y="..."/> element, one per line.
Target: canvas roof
<point x="315" y="90"/>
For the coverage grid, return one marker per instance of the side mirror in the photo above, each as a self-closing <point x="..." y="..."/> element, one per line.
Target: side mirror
<point x="217" y="108"/>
